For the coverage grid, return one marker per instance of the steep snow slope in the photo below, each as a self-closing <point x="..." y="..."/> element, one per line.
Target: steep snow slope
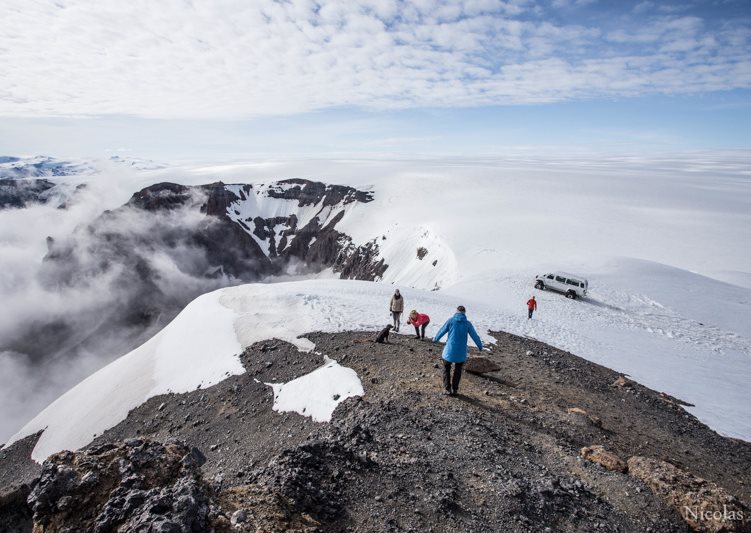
<point x="648" y="234"/>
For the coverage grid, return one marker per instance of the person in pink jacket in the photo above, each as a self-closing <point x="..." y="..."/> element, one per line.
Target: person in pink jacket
<point x="420" y="322"/>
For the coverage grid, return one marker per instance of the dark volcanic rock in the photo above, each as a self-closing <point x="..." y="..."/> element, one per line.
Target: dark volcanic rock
<point x="311" y="193"/>
<point x="481" y="365"/>
<point x="18" y="473"/>
<point x="139" y="485"/>
<point x="161" y="196"/>
<point x="226" y="242"/>
<point x="15" y="514"/>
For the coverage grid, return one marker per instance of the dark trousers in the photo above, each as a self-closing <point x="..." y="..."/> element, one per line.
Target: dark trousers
<point x="451" y="383"/>
<point x="530" y="312"/>
<point x="396" y="315"/>
<point x="420" y="330"/>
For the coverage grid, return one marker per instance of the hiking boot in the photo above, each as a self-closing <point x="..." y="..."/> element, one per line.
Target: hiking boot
<point x="418" y="337"/>
<point x="447" y="393"/>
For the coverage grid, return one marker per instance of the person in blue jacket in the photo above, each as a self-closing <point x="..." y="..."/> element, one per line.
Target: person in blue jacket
<point x="455" y="351"/>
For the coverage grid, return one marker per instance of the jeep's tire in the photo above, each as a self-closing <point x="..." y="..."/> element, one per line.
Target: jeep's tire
<point x="540" y="285"/>
<point x="571" y="295"/>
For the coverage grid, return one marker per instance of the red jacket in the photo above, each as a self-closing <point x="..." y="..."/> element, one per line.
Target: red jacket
<point x="419" y="321"/>
<point x="532" y="304"/>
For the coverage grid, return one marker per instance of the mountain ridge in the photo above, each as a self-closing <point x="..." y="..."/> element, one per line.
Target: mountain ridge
<point x="505" y="454"/>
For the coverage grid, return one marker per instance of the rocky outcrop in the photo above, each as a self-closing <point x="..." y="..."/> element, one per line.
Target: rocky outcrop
<point x="598" y="454"/>
<point x="703" y="505"/>
<point x="139" y="485"/>
<point x="313" y="193"/>
<point x="579" y="416"/>
<point x="481" y="365"/>
<point x="15" y="514"/>
<point x="162" y="196"/>
<point x="623" y="381"/>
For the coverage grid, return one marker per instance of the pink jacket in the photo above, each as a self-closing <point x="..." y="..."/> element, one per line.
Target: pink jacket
<point x="419" y="321"/>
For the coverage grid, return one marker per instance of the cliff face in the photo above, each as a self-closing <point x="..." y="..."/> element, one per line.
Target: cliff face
<point x="258" y="230"/>
<point x="504" y="455"/>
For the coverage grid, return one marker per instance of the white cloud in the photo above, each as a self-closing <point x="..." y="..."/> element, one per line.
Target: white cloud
<point x="564" y="4"/>
<point x="235" y="59"/>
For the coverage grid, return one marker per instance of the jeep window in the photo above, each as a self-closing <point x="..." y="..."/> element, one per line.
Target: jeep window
<point x="581" y="285"/>
<point x="572" y="282"/>
<point x="560" y="279"/>
<point x="550" y="276"/>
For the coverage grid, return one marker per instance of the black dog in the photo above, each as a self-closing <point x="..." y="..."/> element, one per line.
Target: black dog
<point x="383" y="336"/>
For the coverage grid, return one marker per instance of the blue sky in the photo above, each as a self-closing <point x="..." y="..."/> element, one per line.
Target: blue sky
<point x="185" y="79"/>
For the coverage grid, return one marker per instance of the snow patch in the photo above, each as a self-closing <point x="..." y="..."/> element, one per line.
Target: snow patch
<point x="318" y="393"/>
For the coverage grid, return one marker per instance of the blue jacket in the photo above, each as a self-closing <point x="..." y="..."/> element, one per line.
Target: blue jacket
<point x="458" y="327"/>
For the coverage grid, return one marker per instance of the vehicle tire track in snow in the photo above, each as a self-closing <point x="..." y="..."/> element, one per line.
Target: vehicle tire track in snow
<point x="638" y="311"/>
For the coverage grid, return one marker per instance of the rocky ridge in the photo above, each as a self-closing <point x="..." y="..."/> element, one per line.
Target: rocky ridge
<point x="505" y="455"/>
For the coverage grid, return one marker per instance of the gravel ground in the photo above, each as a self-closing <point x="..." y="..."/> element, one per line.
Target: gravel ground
<point x="501" y="456"/>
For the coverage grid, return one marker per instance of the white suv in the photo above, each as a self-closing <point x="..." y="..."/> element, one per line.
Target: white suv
<point x="569" y="284"/>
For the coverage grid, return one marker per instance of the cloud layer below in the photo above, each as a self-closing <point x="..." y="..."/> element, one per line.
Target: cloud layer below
<point x="234" y="59"/>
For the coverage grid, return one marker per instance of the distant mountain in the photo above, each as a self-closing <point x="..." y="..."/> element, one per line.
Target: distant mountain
<point x="23" y="181"/>
<point x="137" y="163"/>
<point x="39" y="167"/>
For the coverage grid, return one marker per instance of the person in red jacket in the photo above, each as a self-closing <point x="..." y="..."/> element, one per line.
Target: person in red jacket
<point x="420" y="322"/>
<point x="531" y="306"/>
